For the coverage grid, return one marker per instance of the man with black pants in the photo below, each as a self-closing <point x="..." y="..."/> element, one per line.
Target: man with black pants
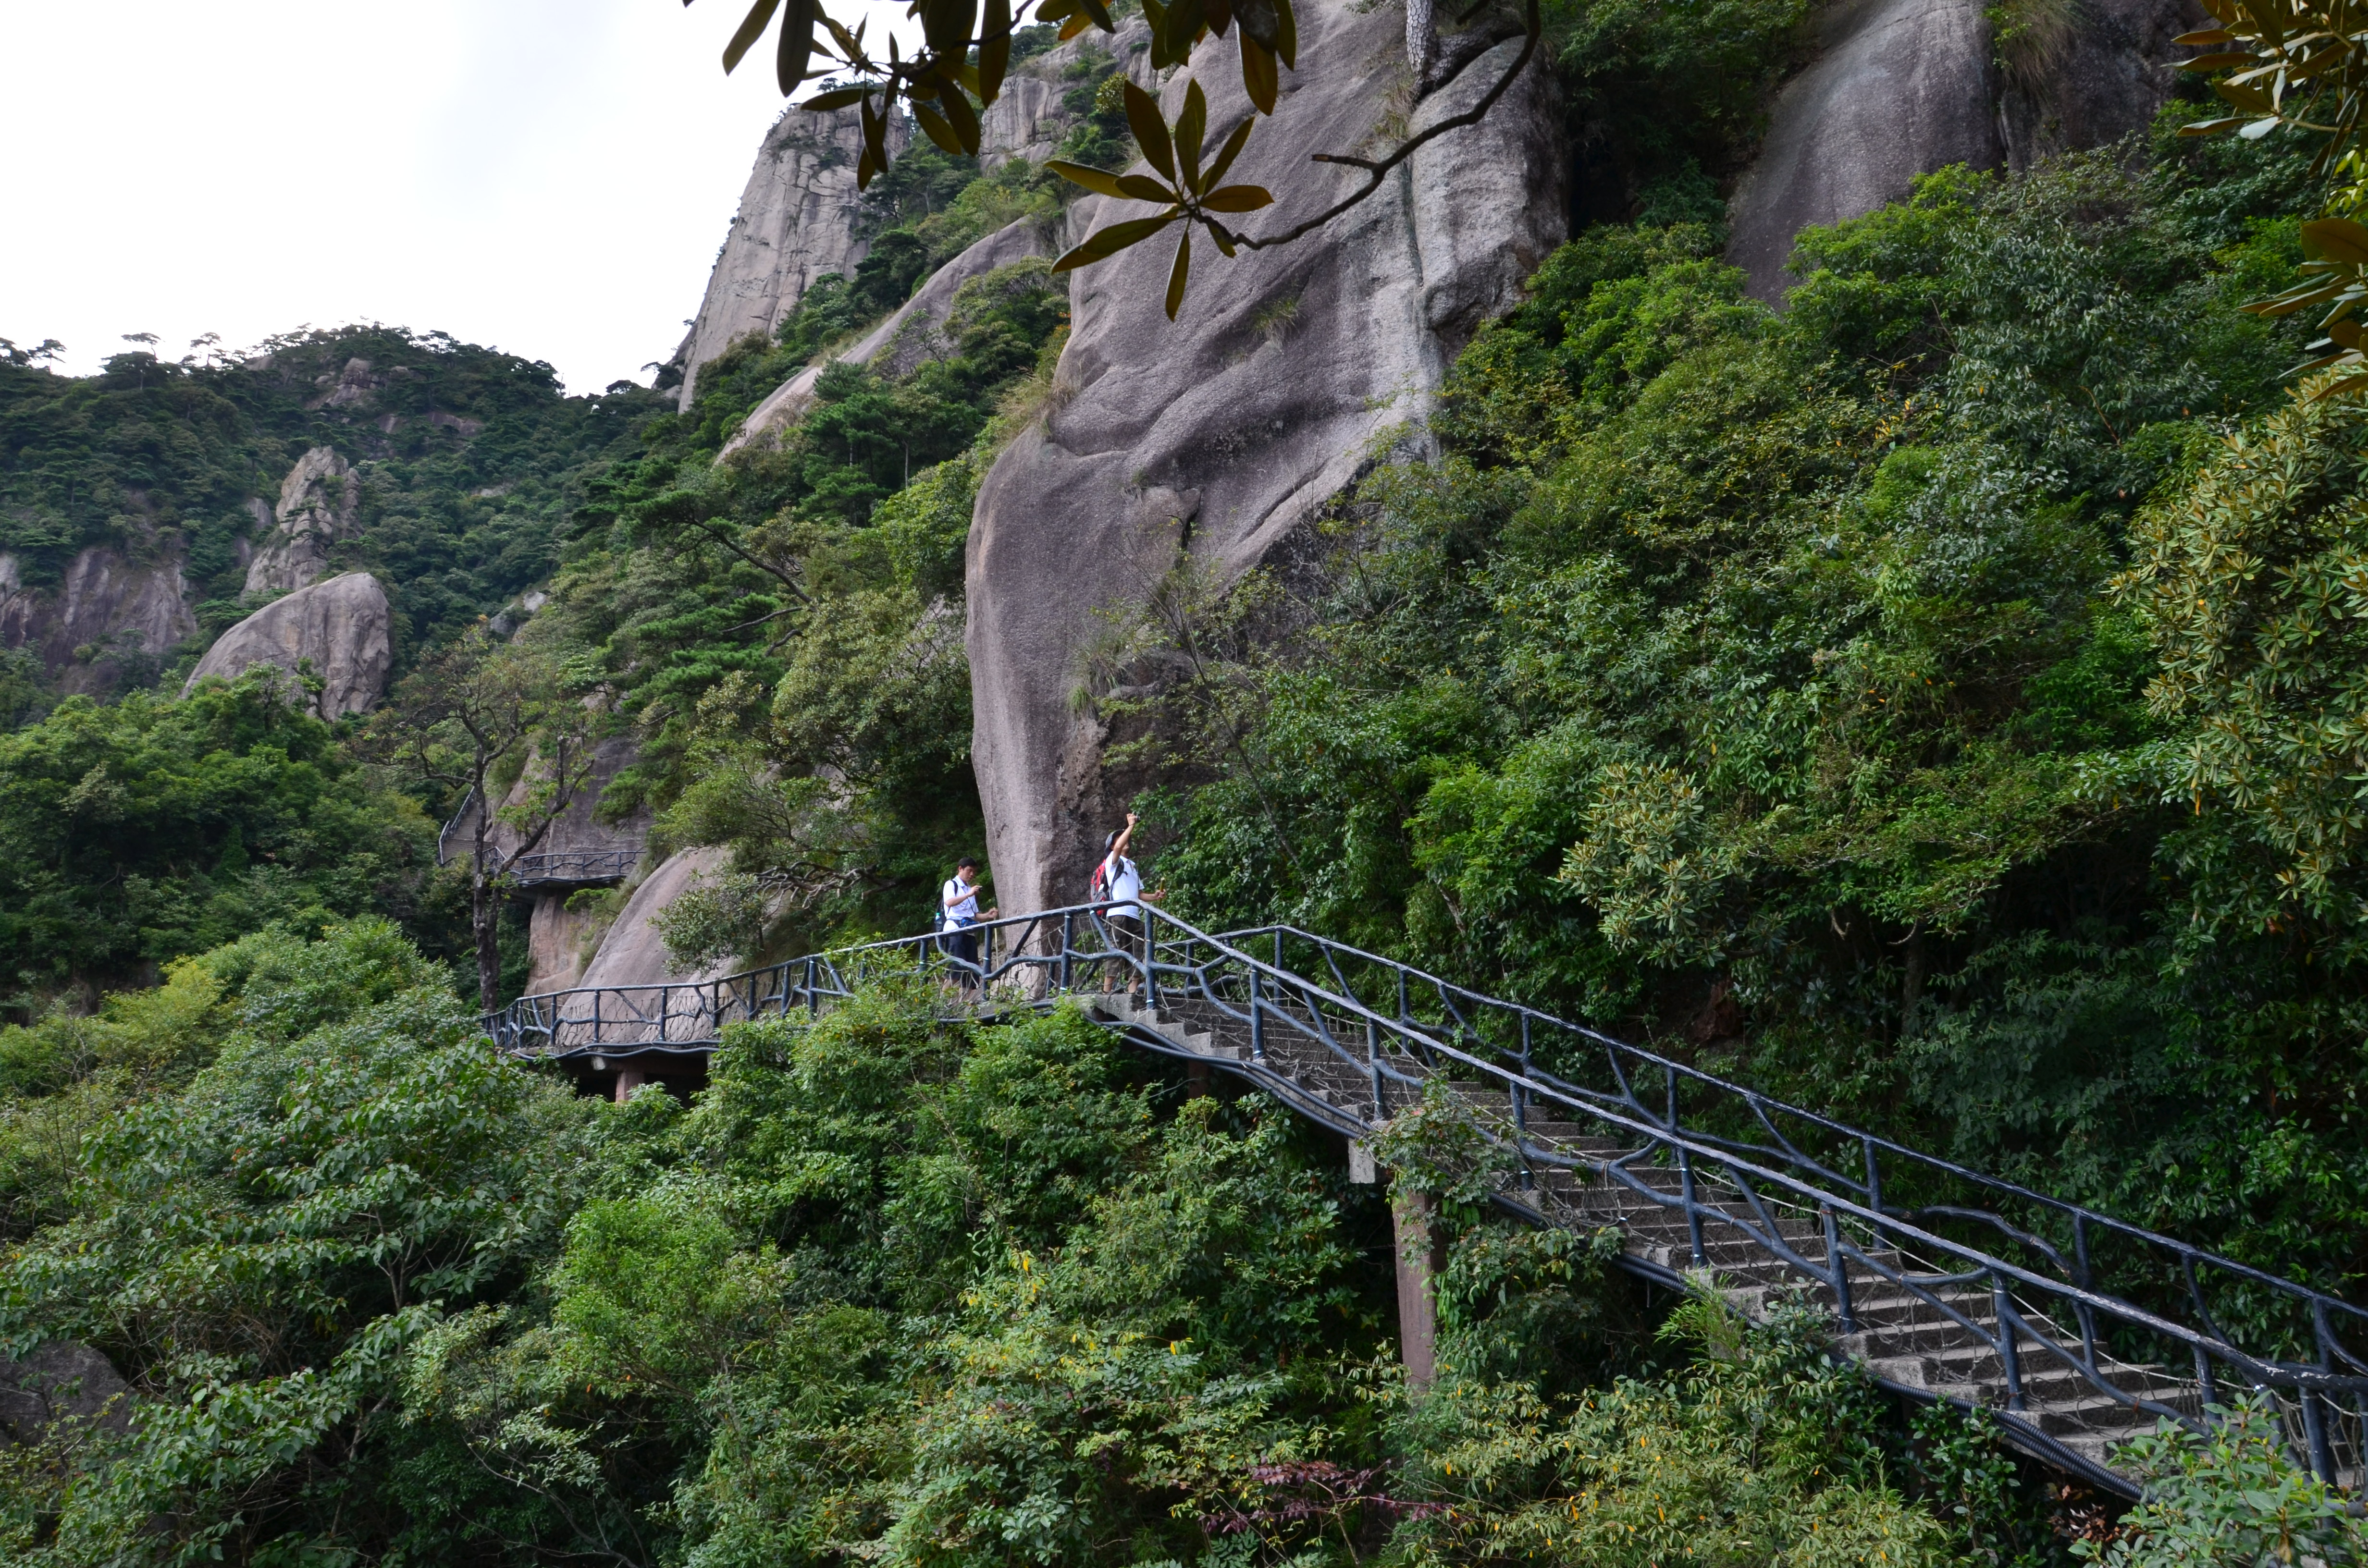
<point x="958" y="912"/>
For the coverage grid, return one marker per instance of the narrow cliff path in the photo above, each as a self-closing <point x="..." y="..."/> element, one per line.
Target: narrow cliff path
<point x="2075" y="1329"/>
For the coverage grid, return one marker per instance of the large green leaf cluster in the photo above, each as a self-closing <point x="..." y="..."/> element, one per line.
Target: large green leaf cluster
<point x="890" y="1288"/>
<point x="257" y="1245"/>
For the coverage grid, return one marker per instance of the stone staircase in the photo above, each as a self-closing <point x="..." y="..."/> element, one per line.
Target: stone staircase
<point x="1905" y="1340"/>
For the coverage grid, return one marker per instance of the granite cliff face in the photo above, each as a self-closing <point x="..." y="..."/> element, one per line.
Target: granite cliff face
<point x="1899" y="89"/>
<point x="908" y="337"/>
<point x="797" y="222"/>
<point x="320" y="502"/>
<point x="114" y="608"/>
<point x="343" y="627"/>
<point x="1221" y="434"/>
<point x="107" y="610"/>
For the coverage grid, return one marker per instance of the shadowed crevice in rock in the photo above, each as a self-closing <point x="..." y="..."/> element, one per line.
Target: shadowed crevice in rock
<point x="1284" y="378"/>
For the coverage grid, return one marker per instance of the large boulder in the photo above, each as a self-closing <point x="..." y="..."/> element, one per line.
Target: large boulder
<point x="1220" y="436"/>
<point x="343" y="627"/>
<point x="60" y="1378"/>
<point x="797" y="222"/>
<point x="906" y="337"/>
<point x="633" y="952"/>
<point x="320" y="502"/>
<point x="1902" y="87"/>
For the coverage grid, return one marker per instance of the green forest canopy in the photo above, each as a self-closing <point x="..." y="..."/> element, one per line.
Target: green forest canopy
<point x="895" y="1288"/>
<point x="1931" y="702"/>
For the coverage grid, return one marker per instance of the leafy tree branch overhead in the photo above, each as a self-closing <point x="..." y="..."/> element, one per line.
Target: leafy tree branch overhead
<point x="967" y="48"/>
<point x="2301" y="67"/>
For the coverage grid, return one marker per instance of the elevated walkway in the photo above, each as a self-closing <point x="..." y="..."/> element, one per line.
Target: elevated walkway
<point x="2078" y="1330"/>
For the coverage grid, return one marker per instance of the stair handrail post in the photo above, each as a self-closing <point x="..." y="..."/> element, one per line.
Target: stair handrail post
<point x="1837" y="1269"/>
<point x="1150" y="914"/>
<point x="2314" y="1430"/>
<point x="2207" y="1386"/>
<point x="2084" y="1277"/>
<point x="1258" y="1020"/>
<point x="2313" y="1408"/>
<point x="1373" y="1068"/>
<point x="814" y="996"/>
<point x="1686" y="1179"/>
<point x="1068" y="942"/>
<point x="1517" y="1089"/>
<point x="2010" y="1352"/>
<point x="1874" y="1186"/>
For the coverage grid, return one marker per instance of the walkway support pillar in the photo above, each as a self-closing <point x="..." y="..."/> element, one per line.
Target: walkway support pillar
<point x="627" y="1082"/>
<point x="1415" y="1217"/>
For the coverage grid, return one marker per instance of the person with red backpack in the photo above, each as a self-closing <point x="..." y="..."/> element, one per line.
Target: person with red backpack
<point x="1119" y="883"/>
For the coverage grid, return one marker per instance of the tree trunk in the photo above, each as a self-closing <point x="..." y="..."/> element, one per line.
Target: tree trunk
<point x="1422" y="40"/>
<point x="483" y="911"/>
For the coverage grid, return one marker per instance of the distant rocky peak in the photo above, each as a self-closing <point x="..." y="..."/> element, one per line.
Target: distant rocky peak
<point x="797" y="222"/>
<point x="345" y="388"/>
<point x="320" y="502"/>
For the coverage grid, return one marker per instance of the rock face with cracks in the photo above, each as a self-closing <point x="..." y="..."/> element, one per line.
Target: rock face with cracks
<point x="797" y="222"/>
<point x="320" y="502"/>
<point x="1221" y="434"/>
<point x="105" y="608"/>
<point x="343" y="627"/>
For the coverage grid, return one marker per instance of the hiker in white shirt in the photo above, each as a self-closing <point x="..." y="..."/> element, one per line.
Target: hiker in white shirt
<point x="957" y="910"/>
<point x="1119" y="882"/>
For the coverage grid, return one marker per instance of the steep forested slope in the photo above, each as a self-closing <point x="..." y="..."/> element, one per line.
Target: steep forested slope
<point x="469" y="463"/>
<point x="1805" y="692"/>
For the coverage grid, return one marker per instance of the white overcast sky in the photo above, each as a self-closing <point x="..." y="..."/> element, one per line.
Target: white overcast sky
<point x="551" y="177"/>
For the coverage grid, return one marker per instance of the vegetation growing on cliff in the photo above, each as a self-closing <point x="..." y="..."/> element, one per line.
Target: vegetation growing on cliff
<point x="139" y="832"/>
<point x="1820" y="696"/>
<point x="470" y="463"/>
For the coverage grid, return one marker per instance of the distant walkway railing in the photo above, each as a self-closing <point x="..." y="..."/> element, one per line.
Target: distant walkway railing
<point x="2045" y="1288"/>
<point x="580" y="866"/>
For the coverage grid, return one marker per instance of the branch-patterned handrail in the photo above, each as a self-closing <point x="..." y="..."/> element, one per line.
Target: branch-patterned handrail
<point x="1734" y="1186"/>
<point x="1463" y="1013"/>
<point x="573" y="866"/>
